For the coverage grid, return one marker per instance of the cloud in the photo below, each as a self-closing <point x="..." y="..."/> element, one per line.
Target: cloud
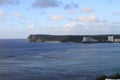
<point x="18" y="15"/>
<point x="90" y="18"/>
<point x="89" y="28"/>
<point x="71" y="24"/>
<point x="2" y="13"/>
<point x="5" y="2"/>
<point x="31" y="27"/>
<point x="72" y="11"/>
<point x="42" y="4"/>
<point x="57" y="17"/>
<point x="87" y="10"/>
<point x="45" y="4"/>
<point x="71" y="6"/>
<point x="87" y="25"/>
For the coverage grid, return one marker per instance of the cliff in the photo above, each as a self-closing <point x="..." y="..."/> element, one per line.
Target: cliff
<point x="75" y="38"/>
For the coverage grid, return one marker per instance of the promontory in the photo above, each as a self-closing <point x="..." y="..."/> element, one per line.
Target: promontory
<point x="112" y="38"/>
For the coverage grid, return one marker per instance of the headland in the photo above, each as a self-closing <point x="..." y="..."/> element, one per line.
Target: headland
<point x="113" y="38"/>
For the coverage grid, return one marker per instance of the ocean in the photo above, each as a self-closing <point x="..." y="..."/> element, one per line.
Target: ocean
<point x="23" y="60"/>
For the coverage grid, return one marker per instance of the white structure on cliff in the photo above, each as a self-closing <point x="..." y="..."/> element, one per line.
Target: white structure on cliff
<point x="117" y="40"/>
<point x="111" y="38"/>
<point x="88" y="39"/>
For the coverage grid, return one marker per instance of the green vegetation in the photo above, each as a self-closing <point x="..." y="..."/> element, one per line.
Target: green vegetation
<point x="103" y="77"/>
<point x="75" y="38"/>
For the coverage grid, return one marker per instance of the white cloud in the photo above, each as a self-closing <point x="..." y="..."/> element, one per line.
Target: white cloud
<point x="87" y="28"/>
<point x="87" y="10"/>
<point x="90" y="18"/>
<point x="84" y="23"/>
<point x="2" y="13"/>
<point x="57" y="17"/>
<point x="70" y="25"/>
<point x="18" y="15"/>
<point x="31" y="27"/>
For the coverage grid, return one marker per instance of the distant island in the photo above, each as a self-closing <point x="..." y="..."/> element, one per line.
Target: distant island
<point x="114" y="38"/>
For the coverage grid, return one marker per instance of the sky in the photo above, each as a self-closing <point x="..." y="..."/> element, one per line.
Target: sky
<point x="20" y="18"/>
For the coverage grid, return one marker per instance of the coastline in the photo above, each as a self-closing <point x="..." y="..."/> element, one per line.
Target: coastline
<point x="74" y="38"/>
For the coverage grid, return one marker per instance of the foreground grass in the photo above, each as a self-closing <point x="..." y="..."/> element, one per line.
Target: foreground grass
<point x="103" y="77"/>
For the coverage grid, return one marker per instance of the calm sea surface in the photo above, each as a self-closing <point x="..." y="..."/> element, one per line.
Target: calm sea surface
<point x="22" y="60"/>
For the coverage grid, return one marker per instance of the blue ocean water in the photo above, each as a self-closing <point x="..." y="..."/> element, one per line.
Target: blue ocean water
<point x="22" y="60"/>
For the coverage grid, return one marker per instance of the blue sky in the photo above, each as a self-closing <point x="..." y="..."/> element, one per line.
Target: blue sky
<point x="20" y="18"/>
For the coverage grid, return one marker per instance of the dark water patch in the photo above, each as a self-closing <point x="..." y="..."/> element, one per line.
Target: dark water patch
<point x="59" y="58"/>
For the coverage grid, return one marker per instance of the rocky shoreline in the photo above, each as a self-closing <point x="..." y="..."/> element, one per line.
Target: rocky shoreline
<point x="112" y="77"/>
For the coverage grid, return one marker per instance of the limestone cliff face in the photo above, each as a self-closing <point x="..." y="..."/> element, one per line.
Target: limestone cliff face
<point x="75" y="38"/>
<point x="54" y="38"/>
